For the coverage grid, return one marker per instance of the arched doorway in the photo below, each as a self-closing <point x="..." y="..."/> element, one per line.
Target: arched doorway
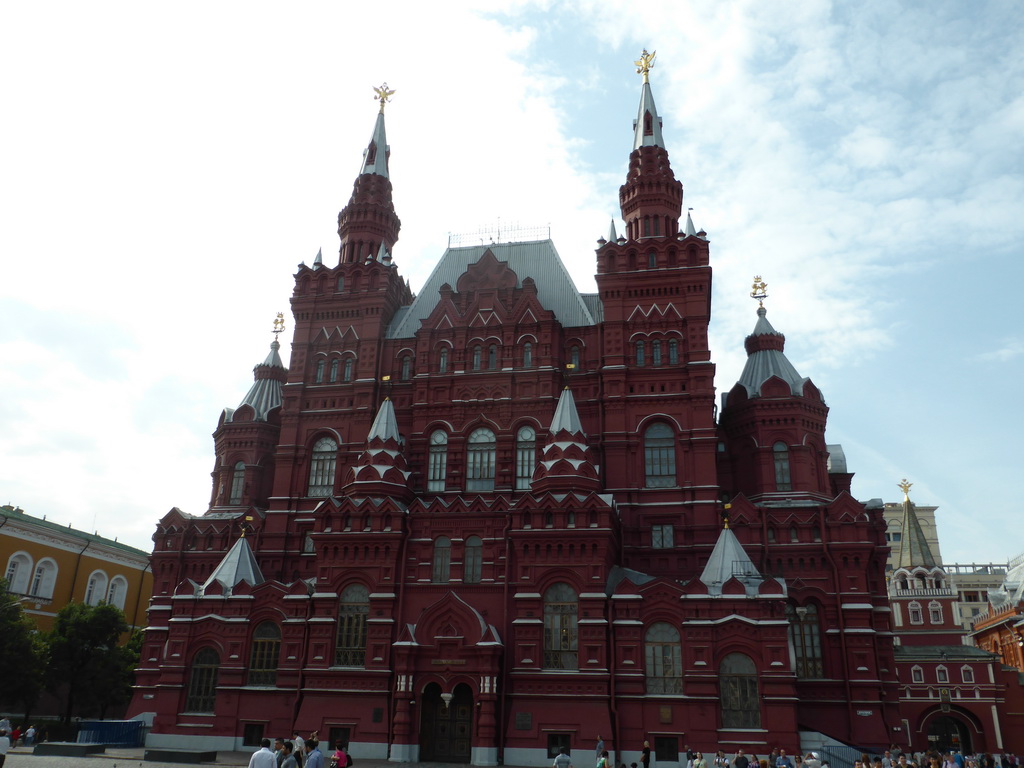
<point x="446" y="730"/>
<point x="946" y="733"/>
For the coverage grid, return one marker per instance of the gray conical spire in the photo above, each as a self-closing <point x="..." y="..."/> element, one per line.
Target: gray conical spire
<point x="375" y="156"/>
<point x="566" y="416"/>
<point x="690" y="230"/>
<point x="238" y="565"/>
<point x="385" y="425"/>
<point x="729" y="559"/>
<point x="914" y="549"/>
<point x="318" y="262"/>
<point x="647" y="132"/>
<point x="612" y="236"/>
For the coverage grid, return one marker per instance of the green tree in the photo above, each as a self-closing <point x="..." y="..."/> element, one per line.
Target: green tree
<point x="85" y="657"/>
<point x="23" y="652"/>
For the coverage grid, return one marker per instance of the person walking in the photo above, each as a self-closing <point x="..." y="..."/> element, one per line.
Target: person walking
<point x="262" y="758"/>
<point x="314" y="757"/>
<point x="645" y="755"/>
<point x="562" y="759"/>
<point x="600" y="747"/>
<point x="602" y="761"/>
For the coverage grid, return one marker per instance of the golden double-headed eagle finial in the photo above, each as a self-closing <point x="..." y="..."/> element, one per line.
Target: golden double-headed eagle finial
<point x="760" y="290"/>
<point x="384" y="95"/>
<point x="905" y="487"/>
<point x="644" y="64"/>
<point x="278" y="324"/>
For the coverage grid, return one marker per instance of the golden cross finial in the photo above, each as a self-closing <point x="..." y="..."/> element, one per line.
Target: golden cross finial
<point x="905" y="487"/>
<point x="383" y="95"/>
<point x="278" y="325"/>
<point x="644" y="64"/>
<point x="760" y="291"/>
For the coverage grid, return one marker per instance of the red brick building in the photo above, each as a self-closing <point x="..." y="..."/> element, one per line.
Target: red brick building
<point x="489" y="520"/>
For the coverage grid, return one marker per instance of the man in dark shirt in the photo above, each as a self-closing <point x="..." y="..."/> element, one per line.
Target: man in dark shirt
<point x="741" y="760"/>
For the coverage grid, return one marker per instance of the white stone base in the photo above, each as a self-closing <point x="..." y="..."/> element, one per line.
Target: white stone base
<point x="405" y="753"/>
<point x="194" y="741"/>
<point x="484" y="756"/>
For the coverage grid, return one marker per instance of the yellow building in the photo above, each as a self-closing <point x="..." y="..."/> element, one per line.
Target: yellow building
<point x="51" y="565"/>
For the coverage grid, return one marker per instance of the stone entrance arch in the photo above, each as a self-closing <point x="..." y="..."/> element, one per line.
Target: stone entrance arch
<point x="947" y="732"/>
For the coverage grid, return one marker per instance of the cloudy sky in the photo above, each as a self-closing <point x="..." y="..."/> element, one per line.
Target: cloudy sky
<point x="166" y="166"/>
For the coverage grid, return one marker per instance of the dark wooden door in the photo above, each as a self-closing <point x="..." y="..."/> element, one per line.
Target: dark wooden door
<point x="446" y="733"/>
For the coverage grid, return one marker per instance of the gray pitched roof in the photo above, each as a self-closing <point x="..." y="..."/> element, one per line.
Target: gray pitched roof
<point x="239" y="564"/>
<point x="729" y="559"/>
<point x="762" y="364"/>
<point x="265" y="393"/>
<point x="537" y="259"/>
<point x="914" y="549"/>
<point x="385" y="425"/>
<point x="566" y="417"/>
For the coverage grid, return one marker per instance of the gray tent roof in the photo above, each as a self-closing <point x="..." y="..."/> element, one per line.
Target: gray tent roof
<point x="914" y="549"/>
<point x="537" y="259"/>
<point x="265" y="393"/>
<point x="385" y="425"/>
<point x="239" y="564"/>
<point x="762" y="364"/>
<point x="729" y="559"/>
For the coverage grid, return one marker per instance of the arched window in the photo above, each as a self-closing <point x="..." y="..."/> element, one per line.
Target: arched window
<point x="437" y="461"/>
<point x="526" y="457"/>
<point x="640" y="354"/>
<point x="664" y="665"/>
<point x="527" y="355"/>
<point x="350" y="650"/>
<point x="780" y="451"/>
<point x="574" y="357"/>
<point x="477" y="351"/>
<point x="492" y="357"/>
<point x="320" y="364"/>
<point x="473" y="562"/>
<point x="266" y="648"/>
<point x="96" y="588"/>
<point x="321" y="467"/>
<point x="45" y="578"/>
<point x="349" y="365"/>
<point x="673" y="352"/>
<point x="117" y="592"/>
<point x="237" y="483"/>
<point x="406" y="367"/>
<point x="480" y="461"/>
<point x="652" y="257"/>
<point x="19" y="570"/>
<point x="656" y="353"/>
<point x="740" y="703"/>
<point x="659" y="456"/>
<point x="935" y="612"/>
<point x="442" y="560"/>
<point x="561" y="609"/>
<point x="202" y="688"/>
<point x="341" y="283"/>
<point x="334" y="370"/>
<point x="805" y="636"/>
<point x="442" y="366"/>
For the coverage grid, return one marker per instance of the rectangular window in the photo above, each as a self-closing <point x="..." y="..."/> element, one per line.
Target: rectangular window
<point x="526" y="462"/>
<point x="967" y="674"/>
<point x="917" y="675"/>
<point x="941" y="675"/>
<point x="437" y="467"/>
<point x="897" y="537"/>
<point x="666" y="749"/>
<point x="662" y="537"/>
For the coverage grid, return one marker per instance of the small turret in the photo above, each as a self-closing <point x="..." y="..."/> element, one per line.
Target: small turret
<point x="566" y="463"/>
<point x="381" y="469"/>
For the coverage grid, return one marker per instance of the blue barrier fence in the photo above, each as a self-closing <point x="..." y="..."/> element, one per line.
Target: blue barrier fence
<point x="121" y="733"/>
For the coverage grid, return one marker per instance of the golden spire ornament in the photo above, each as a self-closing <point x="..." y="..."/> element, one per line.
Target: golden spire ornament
<point x="760" y="291"/>
<point x="644" y="64"/>
<point x="383" y="95"/>
<point x="278" y="325"/>
<point x="905" y="487"/>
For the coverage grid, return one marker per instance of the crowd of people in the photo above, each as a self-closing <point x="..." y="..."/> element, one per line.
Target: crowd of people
<point x="298" y="752"/>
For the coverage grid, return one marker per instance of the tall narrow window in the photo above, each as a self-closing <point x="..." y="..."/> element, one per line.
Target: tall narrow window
<point x="442" y="571"/>
<point x="561" y="609"/>
<point x="96" y="588"/>
<point x="652" y="257"/>
<point x="19" y="570"/>
<point x="917" y="674"/>
<point x="659" y="456"/>
<point x="202" y="688"/>
<point x="574" y="357"/>
<point x="480" y="461"/>
<point x="780" y="451"/>
<point x="320" y="364"/>
<point x="805" y="636"/>
<point x="406" y="368"/>
<point x="656" y="353"/>
<point x="340" y="286"/>
<point x="673" y="352"/>
<point x="664" y="664"/>
<point x="266" y="648"/>
<point x="334" y="370"/>
<point x="349" y="365"/>
<point x="527" y="355"/>
<point x="117" y="592"/>
<point x="914" y="609"/>
<point x="935" y="612"/>
<point x="737" y="677"/>
<point x="477" y="352"/>
<point x="437" y="461"/>
<point x="640" y="354"/>
<point x="350" y="650"/>
<point x="237" y="483"/>
<point x="492" y="357"/>
<point x="941" y="675"/>
<point x="526" y="457"/>
<point x="442" y="366"/>
<point x="46" y="577"/>
<point x="321" y="467"/>
<point x="473" y="562"/>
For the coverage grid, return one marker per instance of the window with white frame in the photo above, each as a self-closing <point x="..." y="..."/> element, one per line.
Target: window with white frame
<point x="662" y="536"/>
<point x="322" y="466"/>
<point x="659" y="456"/>
<point x="44" y="579"/>
<point x="480" y="460"/>
<point x="967" y="674"/>
<point x="19" y="571"/>
<point x="935" y="612"/>
<point x="437" y="460"/>
<point x="526" y="457"/>
<point x="96" y="588"/>
<point x="561" y="609"/>
<point x="117" y="591"/>
<point x="941" y="674"/>
<point x="917" y="674"/>
<point x="527" y="355"/>
<point x="664" y="669"/>
<point x="914" y="609"/>
<point x="442" y="366"/>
